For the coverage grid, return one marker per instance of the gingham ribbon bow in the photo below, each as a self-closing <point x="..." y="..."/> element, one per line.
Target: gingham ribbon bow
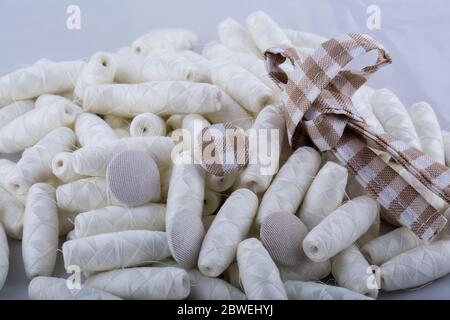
<point x="317" y="106"/>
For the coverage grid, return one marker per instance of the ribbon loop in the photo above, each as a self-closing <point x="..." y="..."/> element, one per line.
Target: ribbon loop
<point x="324" y="70"/>
<point x="274" y="57"/>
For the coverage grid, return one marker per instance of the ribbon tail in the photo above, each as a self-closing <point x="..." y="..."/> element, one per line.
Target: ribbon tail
<point x="386" y="186"/>
<point x="435" y="176"/>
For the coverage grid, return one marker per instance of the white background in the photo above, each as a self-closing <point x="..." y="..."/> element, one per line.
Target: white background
<point x="415" y="32"/>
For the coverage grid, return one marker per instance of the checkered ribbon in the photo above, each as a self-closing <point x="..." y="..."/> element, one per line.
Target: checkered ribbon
<point x="318" y="108"/>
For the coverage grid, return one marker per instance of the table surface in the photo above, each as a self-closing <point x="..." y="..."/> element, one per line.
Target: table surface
<point x="415" y="33"/>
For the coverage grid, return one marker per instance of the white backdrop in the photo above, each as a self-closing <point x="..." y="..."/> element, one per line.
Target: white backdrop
<point x="415" y="32"/>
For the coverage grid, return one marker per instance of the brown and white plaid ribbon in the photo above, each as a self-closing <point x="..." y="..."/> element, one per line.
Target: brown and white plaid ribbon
<point x="318" y="107"/>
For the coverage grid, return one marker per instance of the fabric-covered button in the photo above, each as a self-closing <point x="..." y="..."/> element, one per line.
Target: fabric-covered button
<point x="133" y="178"/>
